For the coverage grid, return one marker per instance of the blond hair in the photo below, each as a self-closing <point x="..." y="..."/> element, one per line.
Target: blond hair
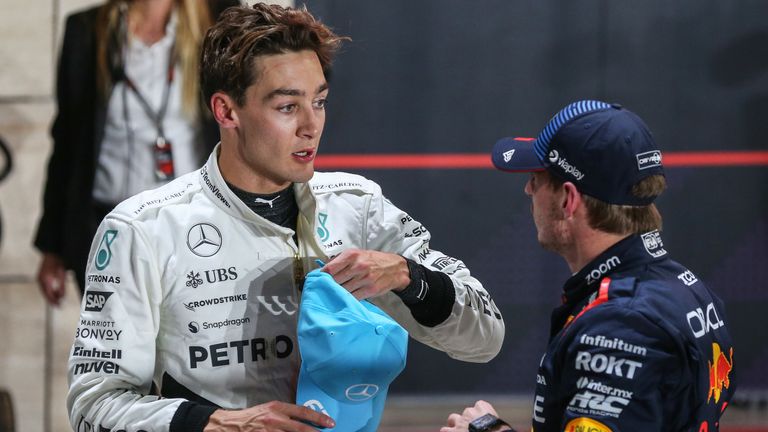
<point x="194" y="18"/>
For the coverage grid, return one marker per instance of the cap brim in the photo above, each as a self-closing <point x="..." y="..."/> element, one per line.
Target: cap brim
<point x="363" y="416"/>
<point x="516" y="155"/>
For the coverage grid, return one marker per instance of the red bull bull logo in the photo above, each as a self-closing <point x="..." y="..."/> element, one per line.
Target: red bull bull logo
<point x="719" y="372"/>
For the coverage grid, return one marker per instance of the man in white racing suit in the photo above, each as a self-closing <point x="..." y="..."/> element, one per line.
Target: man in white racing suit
<point x="188" y="322"/>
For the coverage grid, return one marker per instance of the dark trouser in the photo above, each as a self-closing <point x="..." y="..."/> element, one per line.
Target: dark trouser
<point x="97" y="213"/>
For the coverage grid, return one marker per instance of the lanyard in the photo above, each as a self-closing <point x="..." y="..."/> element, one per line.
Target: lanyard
<point x="155" y="116"/>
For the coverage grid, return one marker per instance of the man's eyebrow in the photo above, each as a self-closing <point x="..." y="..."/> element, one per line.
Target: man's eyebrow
<point x="293" y="92"/>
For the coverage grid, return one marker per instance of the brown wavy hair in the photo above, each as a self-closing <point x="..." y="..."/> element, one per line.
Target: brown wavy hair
<point x="194" y="18"/>
<point x="244" y="33"/>
<point x="623" y="219"/>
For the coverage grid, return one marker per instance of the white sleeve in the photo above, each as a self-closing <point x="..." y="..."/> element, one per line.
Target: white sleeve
<point x="112" y="361"/>
<point x="474" y="329"/>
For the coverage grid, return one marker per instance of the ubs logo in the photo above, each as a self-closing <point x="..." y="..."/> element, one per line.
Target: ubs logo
<point x="361" y="392"/>
<point x="204" y="240"/>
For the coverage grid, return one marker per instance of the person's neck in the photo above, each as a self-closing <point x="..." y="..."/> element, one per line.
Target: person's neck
<point x="239" y="174"/>
<point x="587" y="244"/>
<point x="147" y="19"/>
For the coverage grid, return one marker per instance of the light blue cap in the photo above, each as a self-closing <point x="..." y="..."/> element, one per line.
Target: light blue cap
<point x="351" y="351"/>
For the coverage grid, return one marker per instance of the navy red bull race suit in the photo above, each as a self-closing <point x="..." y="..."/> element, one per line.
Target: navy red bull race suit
<point x="639" y="343"/>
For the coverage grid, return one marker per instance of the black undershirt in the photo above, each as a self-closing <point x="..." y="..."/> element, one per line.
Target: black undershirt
<point x="279" y="208"/>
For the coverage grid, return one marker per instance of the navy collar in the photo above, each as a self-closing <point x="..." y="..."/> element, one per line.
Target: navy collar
<point x="633" y="251"/>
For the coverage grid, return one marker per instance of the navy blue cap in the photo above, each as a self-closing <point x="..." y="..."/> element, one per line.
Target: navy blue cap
<point x="601" y="148"/>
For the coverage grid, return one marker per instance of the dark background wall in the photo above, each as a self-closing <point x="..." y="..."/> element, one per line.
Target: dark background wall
<point x="454" y="76"/>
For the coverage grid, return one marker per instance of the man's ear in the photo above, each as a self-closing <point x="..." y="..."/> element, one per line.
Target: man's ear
<point x="571" y="200"/>
<point x="223" y="108"/>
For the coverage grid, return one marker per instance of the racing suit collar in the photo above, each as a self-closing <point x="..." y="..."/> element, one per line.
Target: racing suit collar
<point x="633" y="251"/>
<point x="216" y="189"/>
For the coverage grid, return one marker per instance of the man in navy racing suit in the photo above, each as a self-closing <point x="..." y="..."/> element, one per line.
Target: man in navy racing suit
<point x="639" y="342"/>
<point x="194" y="286"/>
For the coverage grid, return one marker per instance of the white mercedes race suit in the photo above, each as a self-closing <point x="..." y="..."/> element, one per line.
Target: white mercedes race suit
<point x="186" y="282"/>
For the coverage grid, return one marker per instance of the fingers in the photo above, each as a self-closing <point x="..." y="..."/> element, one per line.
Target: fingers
<point x="51" y="278"/>
<point x="302" y="413"/>
<point x="455" y="423"/>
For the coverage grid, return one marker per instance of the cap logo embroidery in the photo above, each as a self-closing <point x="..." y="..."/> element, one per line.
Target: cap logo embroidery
<point x="570" y="169"/>
<point x="361" y="392"/>
<point x="315" y="405"/>
<point x="648" y="159"/>
<point x="508" y="155"/>
<point x="553" y="156"/>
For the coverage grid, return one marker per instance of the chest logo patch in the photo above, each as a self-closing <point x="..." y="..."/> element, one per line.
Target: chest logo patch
<point x="204" y="240"/>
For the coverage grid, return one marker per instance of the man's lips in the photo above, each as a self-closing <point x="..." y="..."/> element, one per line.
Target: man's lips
<point x="305" y="155"/>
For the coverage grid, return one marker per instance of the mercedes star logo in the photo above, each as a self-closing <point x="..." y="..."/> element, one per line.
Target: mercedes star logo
<point x="204" y="240"/>
<point x="361" y="392"/>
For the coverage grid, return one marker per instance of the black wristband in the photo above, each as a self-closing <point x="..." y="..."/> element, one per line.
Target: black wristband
<point x="430" y="295"/>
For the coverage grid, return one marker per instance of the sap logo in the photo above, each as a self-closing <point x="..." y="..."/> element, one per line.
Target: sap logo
<point x="238" y="352"/>
<point x="95" y="300"/>
<point x="610" y="365"/>
<point x="648" y="159"/>
<point x="653" y="244"/>
<point x="602" y="269"/>
<point x="687" y="277"/>
<point x="315" y="405"/>
<point x="593" y="403"/>
<point x="702" y="322"/>
<point x="361" y="392"/>
<point x="221" y="275"/>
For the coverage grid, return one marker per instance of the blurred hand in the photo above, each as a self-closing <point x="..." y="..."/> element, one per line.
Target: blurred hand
<point x="269" y="417"/>
<point x="366" y="273"/>
<point x="52" y="277"/>
<point x="460" y="422"/>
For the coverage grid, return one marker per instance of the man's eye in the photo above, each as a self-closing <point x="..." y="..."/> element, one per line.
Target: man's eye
<point x="320" y="103"/>
<point x="287" y="108"/>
